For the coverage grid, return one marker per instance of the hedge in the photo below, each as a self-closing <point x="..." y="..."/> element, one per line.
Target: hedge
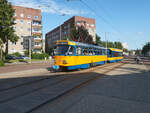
<point x="39" y="56"/>
<point x="2" y="63"/>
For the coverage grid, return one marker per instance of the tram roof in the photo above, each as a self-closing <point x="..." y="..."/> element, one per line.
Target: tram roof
<point x="66" y="42"/>
<point x="114" y="49"/>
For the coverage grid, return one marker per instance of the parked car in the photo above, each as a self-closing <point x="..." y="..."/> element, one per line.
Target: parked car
<point x="24" y="57"/>
<point x="10" y="57"/>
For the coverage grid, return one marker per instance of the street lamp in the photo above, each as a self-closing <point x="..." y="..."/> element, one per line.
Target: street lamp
<point x="60" y="25"/>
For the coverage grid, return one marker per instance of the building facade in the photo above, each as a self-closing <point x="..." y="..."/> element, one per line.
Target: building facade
<point x="28" y="23"/>
<point x="64" y="30"/>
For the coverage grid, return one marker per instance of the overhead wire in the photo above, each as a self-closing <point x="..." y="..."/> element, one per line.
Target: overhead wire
<point x="102" y="18"/>
<point x="106" y="21"/>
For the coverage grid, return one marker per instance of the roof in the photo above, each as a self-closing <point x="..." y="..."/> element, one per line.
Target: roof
<point x="78" y="43"/>
<point x="114" y="49"/>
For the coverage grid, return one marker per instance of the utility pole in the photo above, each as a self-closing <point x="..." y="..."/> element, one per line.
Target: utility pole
<point x="60" y="31"/>
<point x="0" y="52"/>
<point x="106" y="44"/>
<point x="30" y="49"/>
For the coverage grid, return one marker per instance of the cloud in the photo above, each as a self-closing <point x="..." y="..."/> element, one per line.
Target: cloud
<point x="140" y="33"/>
<point x="48" y="6"/>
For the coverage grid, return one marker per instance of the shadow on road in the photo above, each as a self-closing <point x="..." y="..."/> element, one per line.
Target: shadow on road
<point x="128" y="87"/>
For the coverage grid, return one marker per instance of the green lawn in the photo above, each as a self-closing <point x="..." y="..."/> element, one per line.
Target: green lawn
<point x="21" y="60"/>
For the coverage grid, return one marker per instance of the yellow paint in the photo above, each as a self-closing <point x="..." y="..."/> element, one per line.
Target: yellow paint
<point x="118" y="50"/>
<point x="68" y="42"/>
<point x="77" y="60"/>
<point x="114" y="58"/>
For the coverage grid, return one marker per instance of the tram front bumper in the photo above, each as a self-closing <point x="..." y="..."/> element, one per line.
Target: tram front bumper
<point x="56" y="67"/>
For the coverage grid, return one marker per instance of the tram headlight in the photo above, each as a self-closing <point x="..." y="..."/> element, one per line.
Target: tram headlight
<point x="64" y="62"/>
<point x="54" y="61"/>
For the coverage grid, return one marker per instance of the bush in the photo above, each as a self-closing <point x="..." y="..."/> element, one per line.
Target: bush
<point x="17" y="54"/>
<point x="2" y="63"/>
<point x="39" y="56"/>
<point x="26" y="53"/>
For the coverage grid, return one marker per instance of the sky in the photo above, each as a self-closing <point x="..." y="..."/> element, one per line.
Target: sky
<point x="127" y="21"/>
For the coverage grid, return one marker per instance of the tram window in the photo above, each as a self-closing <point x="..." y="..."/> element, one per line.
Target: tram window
<point x="103" y="52"/>
<point x="71" y="50"/>
<point x="61" y="50"/>
<point x="96" y="52"/>
<point x="85" y="52"/>
<point x="109" y="53"/>
<point x="90" y="51"/>
<point x="79" y="51"/>
<point x="115" y="54"/>
<point x="100" y="52"/>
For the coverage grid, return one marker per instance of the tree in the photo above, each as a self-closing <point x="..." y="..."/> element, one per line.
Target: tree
<point x="80" y="34"/>
<point x="98" y="39"/>
<point x="138" y="52"/>
<point x="6" y="23"/>
<point x="146" y="49"/>
<point x="118" y="45"/>
<point x="1" y="51"/>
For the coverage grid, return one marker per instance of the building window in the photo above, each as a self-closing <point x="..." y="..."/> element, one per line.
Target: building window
<point x="21" y="21"/>
<point x="36" y="22"/>
<point x="21" y="43"/>
<point x="78" y="23"/>
<point x="29" y="29"/>
<point x="92" y="25"/>
<point x="29" y="22"/>
<point x="36" y="17"/>
<point x="13" y="43"/>
<point x="88" y="29"/>
<point x="37" y="43"/>
<point x="36" y="30"/>
<point x="21" y="15"/>
<point x="28" y="16"/>
<point x="14" y="27"/>
<point x="15" y="21"/>
<point x="21" y="28"/>
<point x="92" y="30"/>
<point x="15" y="14"/>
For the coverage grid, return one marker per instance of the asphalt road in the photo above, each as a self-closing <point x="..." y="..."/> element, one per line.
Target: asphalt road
<point x="123" y="90"/>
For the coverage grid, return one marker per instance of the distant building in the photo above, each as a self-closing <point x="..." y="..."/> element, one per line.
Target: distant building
<point x="43" y="45"/>
<point x="28" y="23"/>
<point x="54" y="35"/>
<point x="125" y="45"/>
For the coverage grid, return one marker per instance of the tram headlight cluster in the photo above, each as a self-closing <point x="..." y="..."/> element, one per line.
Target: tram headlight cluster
<point x="64" y="62"/>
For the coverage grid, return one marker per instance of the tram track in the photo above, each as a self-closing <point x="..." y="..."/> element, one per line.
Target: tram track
<point x="31" y="87"/>
<point x="54" y="75"/>
<point x="86" y="82"/>
<point x="63" y="80"/>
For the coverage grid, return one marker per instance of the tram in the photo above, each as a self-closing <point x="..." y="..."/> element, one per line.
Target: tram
<point x="114" y="55"/>
<point x="72" y="55"/>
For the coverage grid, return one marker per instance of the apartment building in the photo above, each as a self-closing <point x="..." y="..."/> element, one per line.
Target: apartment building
<point x="64" y="30"/>
<point x="28" y="24"/>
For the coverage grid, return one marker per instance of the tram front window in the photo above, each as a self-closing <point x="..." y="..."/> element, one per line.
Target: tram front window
<point x="62" y="50"/>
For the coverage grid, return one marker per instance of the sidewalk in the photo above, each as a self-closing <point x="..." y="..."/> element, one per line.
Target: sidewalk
<point x="20" y="69"/>
<point x="147" y="64"/>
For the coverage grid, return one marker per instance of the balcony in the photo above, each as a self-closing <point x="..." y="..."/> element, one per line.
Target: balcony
<point x="37" y="46"/>
<point x="36" y="23"/>
<point x="37" y="39"/>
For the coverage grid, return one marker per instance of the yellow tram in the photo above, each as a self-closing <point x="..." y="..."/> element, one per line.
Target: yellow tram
<point x="114" y="55"/>
<point x="75" y="55"/>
